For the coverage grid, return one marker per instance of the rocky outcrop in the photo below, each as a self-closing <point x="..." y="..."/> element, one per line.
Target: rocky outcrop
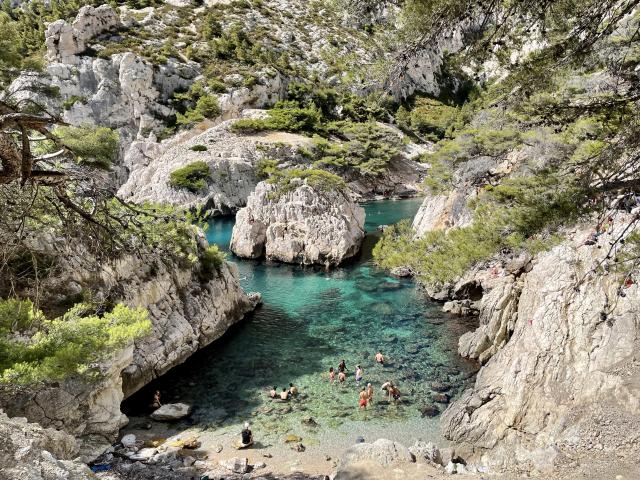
<point x="561" y="375"/>
<point x="231" y="159"/>
<point x="306" y="226"/>
<point x="64" y="41"/>
<point x="442" y="212"/>
<point x="187" y="313"/>
<point x="29" y="451"/>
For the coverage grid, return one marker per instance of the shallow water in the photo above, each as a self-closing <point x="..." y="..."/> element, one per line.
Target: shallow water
<point x="309" y="321"/>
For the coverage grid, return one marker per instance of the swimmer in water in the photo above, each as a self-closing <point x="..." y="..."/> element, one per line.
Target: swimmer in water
<point x="332" y="375"/>
<point x="380" y="358"/>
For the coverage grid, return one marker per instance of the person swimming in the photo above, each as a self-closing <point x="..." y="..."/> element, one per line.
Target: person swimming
<point x="342" y="377"/>
<point x="273" y="393"/>
<point x="363" y="398"/>
<point x="358" y="374"/>
<point x="284" y="395"/>
<point x="380" y="358"/>
<point x="332" y="375"/>
<point x="293" y="390"/>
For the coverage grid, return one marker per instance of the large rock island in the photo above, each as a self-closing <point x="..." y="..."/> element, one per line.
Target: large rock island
<point x="306" y="225"/>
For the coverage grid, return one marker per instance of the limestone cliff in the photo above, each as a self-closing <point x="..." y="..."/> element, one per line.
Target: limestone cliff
<point x="561" y="376"/>
<point x="187" y="313"/>
<point x="305" y="225"/>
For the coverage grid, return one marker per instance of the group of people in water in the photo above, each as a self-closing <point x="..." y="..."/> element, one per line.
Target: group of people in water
<point x="366" y="392"/>
<point x="285" y="394"/>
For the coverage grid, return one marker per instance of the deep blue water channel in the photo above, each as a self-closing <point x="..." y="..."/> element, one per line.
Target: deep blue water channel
<point x="310" y="320"/>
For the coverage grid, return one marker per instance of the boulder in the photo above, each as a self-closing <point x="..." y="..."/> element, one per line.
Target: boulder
<point x="128" y="440"/>
<point x="235" y="465"/>
<point x="171" y="412"/>
<point x="384" y="452"/>
<point x="306" y="225"/>
<point x="401" y="272"/>
<point x="424" y="451"/>
<point x="429" y="411"/>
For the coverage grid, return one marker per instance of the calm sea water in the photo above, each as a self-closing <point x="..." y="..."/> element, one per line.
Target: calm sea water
<point x="309" y="321"/>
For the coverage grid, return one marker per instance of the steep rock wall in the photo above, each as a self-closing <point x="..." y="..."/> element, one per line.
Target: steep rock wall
<point x="562" y="342"/>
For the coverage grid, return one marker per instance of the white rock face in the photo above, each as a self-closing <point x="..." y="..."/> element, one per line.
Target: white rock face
<point x="186" y="314"/>
<point x="64" y="41"/>
<point x="562" y="373"/>
<point x="231" y="159"/>
<point x="305" y="226"/>
<point x="28" y="451"/>
<point x="171" y="411"/>
<point x="442" y="212"/>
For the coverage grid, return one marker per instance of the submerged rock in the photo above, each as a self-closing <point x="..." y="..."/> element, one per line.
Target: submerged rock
<point x="306" y="226"/>
<point x="171" y="412"/>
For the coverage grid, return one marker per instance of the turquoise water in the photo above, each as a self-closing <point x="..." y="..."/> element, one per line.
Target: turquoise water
<point x="310" y="320"/>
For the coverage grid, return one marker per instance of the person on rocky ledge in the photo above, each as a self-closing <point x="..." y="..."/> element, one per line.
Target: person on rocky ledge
<point x="156" y="400"/>
<point x="284" y="395"/>
<point x="293" y="390"/>
<point x="273" y="393"/>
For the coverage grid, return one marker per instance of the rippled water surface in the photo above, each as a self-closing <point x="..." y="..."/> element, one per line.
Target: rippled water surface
<point x="310" y="320"/>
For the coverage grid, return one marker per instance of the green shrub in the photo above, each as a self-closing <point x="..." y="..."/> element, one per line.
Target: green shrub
<point x="287" y="180"/>
<point x="72" y="100"/>
<point x="18" y="316"/>
<point x="285" y="116"/>
<point x="207" y="106"/>
<point x="70" y="345"/>
<point x="192" y="177"/>
<point x="93" y="146"/>
<point x="199" y="148"/>
<point x="212" y="260"/>
<point x="521" y="214"/>
<point x="266" y="167"/>
<point x="366" y="147"/>
<point x="429" y="118"/>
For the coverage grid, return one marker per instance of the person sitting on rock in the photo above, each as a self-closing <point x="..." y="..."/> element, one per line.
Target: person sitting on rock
<point x="247" y="436"/>
<point x="284" y="395"/>
<point x="273" y="393"/>
<point x="293" y="390"/>
<point x="156" y="400"/>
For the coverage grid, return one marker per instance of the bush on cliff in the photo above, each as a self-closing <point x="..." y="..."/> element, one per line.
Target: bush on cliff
<point x="212" y="260"/>
<point x="192" y="177"/>
<point x="66" y="346"/>
<point x="288" y="180"/>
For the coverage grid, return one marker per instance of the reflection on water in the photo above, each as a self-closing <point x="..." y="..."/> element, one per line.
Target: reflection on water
<point x="310" y="320"/>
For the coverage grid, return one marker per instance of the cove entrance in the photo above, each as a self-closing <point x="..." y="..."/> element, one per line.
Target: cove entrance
<point x="310" y="320"/>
